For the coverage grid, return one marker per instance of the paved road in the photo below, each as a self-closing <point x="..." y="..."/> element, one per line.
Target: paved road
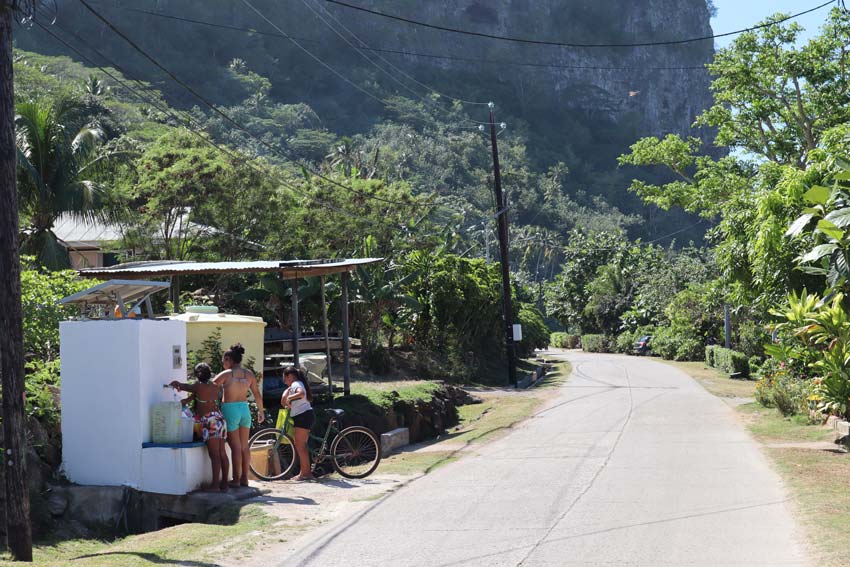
<point x="632" y="463"/>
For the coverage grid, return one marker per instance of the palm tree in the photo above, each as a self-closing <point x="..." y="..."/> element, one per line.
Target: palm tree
<point x="55" y="171"/>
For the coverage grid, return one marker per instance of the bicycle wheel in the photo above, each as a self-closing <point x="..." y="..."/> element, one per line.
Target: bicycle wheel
<point x="355" y="452"/>
<point x="272" y="454"/>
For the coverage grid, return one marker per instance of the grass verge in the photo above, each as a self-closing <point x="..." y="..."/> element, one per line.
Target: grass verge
<point x="197" y="545"/>
<point x="496" y="415"/>
<point x="816" y="478"/>
<point x="715" y="381"/>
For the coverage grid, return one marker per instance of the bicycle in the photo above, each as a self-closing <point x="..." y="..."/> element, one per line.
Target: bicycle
<point x="355" y="452"/>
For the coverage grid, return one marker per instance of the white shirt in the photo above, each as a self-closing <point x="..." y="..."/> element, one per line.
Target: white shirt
<point x="301" y="405"/>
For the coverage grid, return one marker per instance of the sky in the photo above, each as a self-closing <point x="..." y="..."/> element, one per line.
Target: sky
<point x="737" y="14"/>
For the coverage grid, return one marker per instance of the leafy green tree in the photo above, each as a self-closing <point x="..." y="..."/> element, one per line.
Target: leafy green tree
<point x="40" y="291"/>
<point x="775" y="104"/>
<point x="569" y="294"/>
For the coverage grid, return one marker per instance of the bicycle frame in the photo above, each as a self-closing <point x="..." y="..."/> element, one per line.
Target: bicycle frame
<point x="319" y="456"/>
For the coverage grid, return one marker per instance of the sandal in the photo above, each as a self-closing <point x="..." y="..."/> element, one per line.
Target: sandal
<point x="299" y="478"/>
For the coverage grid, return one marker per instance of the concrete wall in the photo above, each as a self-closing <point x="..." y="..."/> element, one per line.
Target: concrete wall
<point x="112" y="371"/>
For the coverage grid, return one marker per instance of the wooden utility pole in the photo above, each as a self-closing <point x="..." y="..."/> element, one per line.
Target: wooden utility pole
<point x="13" y="458"/>
<point x="502" y="223"/>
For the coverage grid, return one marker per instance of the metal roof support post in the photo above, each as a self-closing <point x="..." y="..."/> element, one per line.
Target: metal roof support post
<point x="346" y="350"/>
<point x="175" y="293"/>
<point x="325" y="331"/>
<point x="296" y="327"/>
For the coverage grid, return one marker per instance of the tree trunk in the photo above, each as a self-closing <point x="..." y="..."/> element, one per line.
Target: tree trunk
<point x="18" y="531"/>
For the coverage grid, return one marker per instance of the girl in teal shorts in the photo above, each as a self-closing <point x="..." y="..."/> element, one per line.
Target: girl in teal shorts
<point x="236" y="382"/>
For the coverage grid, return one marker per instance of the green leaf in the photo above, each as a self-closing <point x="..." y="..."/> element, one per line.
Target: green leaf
<point x="817" y="195"/>
<point x="799" y="225"/>
<point x="842" y="176"/>
<point x="813" y="270"/>
<point x="818" y="252"/>
<point x="830" y="229"/>
<point x="840" y="217"/>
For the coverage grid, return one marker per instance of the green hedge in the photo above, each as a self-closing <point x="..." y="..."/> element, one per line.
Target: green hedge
<point x="597" y="343"/>
<point x="709" y="354"/>
<point x="564" y="340"/>
<point x="731" y="361"/>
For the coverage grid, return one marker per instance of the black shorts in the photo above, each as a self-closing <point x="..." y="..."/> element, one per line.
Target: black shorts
<point x="305" y="420"/>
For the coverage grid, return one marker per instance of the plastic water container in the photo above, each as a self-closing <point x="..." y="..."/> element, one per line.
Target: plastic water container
<point x="165" y="422"/>
<point x="187" y="429"/>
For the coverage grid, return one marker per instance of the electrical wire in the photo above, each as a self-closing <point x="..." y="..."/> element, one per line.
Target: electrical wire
<point x="390" y="64"/>
<point x="386" y="103"/>
<point x="230" y="120"/>
<point x="407" y="53"/>
<point x="564" y="44"/>
<point x="186" y="119"/>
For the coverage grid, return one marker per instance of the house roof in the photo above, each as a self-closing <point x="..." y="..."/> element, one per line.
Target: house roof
<point x="75" y="232"/>
<point x="288" y="268"/>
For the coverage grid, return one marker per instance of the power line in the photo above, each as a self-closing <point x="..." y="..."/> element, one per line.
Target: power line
<point x="564" y="44"/>
<point x="362" y="53"/>
<point x="150" y="98"/>
<point x="408" y="53"/>
<point x="393" y="66"/>
<point x="228" y="118"/>
<point x="183" y="118"/>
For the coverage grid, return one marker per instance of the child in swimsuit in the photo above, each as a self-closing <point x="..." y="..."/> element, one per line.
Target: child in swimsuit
<point x="214" y="432"/>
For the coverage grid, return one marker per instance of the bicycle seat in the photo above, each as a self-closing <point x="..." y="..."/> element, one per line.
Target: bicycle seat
<point x="338" y="413"/>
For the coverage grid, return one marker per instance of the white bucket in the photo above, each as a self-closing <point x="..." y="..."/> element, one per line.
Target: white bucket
<point x="187" y="429"/>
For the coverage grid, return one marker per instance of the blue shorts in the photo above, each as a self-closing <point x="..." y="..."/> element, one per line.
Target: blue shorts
<point x="236" y="414"/>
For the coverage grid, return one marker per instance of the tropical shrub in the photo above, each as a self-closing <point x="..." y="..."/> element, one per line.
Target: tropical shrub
<point x="731" y="361"/>
<point x="596" y="343"/>
<point x="40" y="290"/>
<point x="709" y="354"/>
<point x="815" y="340"/>
<point x="752" y="339"/>
<point x="558" y="339"/>
<point x="789" y="394"/>
<point x="627" y="339"/>
<point x="625" y="342"/>
<point x="535" y="333"/>
<point x="41" y="386"/>
<point x="677" y="344"/>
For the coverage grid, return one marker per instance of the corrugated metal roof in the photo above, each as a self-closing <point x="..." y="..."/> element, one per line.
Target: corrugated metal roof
<point x="109" y="292"/>
<point x="291" y="268"/>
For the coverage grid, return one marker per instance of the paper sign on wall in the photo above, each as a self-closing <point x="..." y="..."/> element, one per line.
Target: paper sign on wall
<point x="176" y="357"/>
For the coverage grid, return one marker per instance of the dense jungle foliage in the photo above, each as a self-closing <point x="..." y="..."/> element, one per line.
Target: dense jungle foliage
<point x="412" y="186"/>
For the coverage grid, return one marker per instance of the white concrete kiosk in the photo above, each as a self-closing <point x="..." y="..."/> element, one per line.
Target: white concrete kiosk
<point x="113" y="372"/>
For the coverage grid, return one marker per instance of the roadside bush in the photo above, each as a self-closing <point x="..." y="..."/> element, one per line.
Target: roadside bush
<point x="671" y="344"/>
<point x="41" y="385"/>
<point x="731" y="361"/>
<point x="627" y="339"/>
<point x="40" y="290"/>
<point x="789" y="394"/>
<point x="709" y="355"/>
<point x="751" y="339"/>
<point x="625" y="342"/>
<point x="764" y="391"/>
<point x="755" y="363"/>
<point x="564" y="340"/>
<point x="535" y="333"/>
<point x="596" y="343"/>
<point x="558" y="339"/>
